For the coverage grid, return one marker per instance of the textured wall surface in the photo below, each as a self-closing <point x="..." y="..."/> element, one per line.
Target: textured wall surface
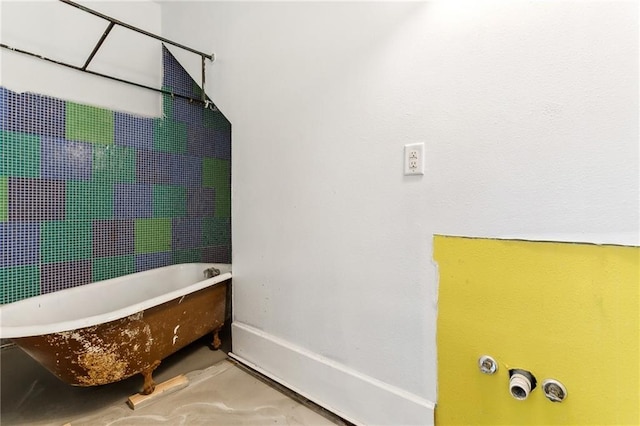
<point x="88" y="193"/>
<point x="529" y="115"/>
<point x="564" y="311"/>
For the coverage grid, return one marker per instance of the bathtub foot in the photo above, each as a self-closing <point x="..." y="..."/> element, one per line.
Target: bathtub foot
<point x="149" y="384"/>
<point x="216" y="339"/>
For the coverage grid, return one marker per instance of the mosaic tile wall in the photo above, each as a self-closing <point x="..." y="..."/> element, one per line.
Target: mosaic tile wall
<point x="88" y="194"/>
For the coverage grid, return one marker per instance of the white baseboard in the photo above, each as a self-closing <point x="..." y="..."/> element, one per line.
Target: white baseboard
<point x="353" y="396"/>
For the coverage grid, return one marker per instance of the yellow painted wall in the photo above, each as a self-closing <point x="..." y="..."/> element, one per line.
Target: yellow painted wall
<point x="563" y="311"/>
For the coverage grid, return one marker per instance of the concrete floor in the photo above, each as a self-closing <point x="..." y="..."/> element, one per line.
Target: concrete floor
<point x="219" y="392"/>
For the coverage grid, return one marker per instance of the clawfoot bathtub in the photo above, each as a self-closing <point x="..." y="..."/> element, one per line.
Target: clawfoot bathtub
<point x="110" y="330"/>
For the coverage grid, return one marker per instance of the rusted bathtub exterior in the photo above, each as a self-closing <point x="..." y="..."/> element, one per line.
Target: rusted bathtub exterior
<point x="117" y="349"/>
<point x="113" y="351"/>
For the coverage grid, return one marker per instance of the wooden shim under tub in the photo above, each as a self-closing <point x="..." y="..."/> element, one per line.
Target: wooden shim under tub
<point x="139" y="400"/>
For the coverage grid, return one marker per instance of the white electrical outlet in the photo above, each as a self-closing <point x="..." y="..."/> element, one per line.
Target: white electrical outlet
<point x="414" y="159"/>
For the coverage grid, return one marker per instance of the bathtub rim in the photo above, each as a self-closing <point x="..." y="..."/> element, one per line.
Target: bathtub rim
<point x="17" y="331"/>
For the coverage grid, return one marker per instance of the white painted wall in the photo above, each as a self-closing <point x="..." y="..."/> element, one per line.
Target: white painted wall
<point x="529" y="112"/>
<point x="61" y="32"/>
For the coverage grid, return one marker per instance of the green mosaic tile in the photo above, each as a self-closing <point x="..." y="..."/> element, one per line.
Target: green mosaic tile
<point x="187" y="256"/>
<point x="68" y="245"/>
<point x="216" y="231"/>
<point x="110" y="267"/>
<point x="223" y="202"/>
<point x="63" y="241"/>
<point x="114" y="164"/>
<point x="169" y="136"/>
<point x="217" y="174"/>
<point x="88" y="200"/>
<point x="19" y="282"/>
<point x="152" y="235"/>
<point x="167" y="104"/>
<point x="169" y="201"/>
<point x="215" y="120"/>
<point x="19" y="154"/>
<point x="4" y="199"/>
<point x="89" y="124"/>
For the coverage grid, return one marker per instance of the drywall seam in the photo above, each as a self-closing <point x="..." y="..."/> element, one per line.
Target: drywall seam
<point x="538" y="240"/>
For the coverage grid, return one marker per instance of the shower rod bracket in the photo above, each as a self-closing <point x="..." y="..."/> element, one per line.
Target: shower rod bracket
<point x="112" y="23"/>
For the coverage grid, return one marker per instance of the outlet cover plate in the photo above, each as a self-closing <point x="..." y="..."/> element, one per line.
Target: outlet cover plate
<point x="414" y="159"/>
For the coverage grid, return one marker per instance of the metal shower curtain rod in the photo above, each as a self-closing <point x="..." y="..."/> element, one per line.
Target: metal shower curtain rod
<point x="113" y="22"/>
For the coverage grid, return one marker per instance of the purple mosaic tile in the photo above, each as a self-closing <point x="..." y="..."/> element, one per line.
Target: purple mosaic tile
<point x="174" y="76"/>
<point x="132" y="200"/>
<point x="132" y="131"/>
<point x="144" y="262"/>
<point x="222" y="144"/>
<point x="186" y="233"/>
<point x="186" y="170"/>
<point x="26" y="113"/>
<point x="201" y="141"/>
<point x="216" y="254"/>
<point x="153" y="167"/>
<point x="58" y="276"/>
<point x="113" y="237"/>
<point x="19" y="243"/>
<point x="54" y="179"/>
<point x="4" y="93"/>
<point x="36" y="199"/>
<point x="200" y="202"/>
<point x="63" y="159"/>
<point x="189" y="112"/>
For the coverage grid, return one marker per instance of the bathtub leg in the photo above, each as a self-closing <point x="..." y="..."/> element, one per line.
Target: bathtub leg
<point x="149" y="384"/>
<point x="216" y="339"/>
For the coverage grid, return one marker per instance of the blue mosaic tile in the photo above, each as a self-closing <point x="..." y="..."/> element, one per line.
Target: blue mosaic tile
<point x="69" y="210"/>
<point x="222" y="144"/>
<point x="19" y="243"/>
<point x="113" y="237"/>
<point x="187" y="111"/>
<point x="25" y="112"/>
<point x="175" y="77"/>
<point x="186" y="233"/>
<point x="186" y="170"/>
<point x="201" y="141"/>
<point x="36" y="199"/>
<point x="216" y="254"/>
<point x="63" y="159"/>
<point x="132" y="200"/>
<point x="144" y="262"/>
<point x="132" y="131"/>
<point x="62" y="275"/>
<point x="200" y="202"/>
<point x="153" y="167"/>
